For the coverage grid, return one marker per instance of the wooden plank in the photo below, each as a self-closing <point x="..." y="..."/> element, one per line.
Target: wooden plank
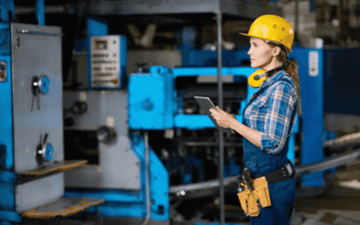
<point x="55" y="167"/>
<point x="64" y="207"/>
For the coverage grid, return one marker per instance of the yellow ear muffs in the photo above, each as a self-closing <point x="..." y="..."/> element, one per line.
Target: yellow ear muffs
<point x="256" y="78"/>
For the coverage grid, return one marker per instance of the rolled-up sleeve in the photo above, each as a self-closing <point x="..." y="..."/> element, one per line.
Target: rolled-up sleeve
<point x="281" y="104"/>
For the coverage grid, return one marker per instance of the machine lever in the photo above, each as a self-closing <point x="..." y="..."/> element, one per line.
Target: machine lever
<point x="25" y="31"/>
<point x="40" y="85"/>
<point x="35" y="95"/>
<point x="45" y="138"/>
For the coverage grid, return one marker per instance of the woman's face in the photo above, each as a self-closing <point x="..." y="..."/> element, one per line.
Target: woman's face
<point x="260" y="53"/>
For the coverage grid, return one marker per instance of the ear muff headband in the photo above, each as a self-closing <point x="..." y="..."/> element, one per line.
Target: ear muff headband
<point x="256" y="78"/>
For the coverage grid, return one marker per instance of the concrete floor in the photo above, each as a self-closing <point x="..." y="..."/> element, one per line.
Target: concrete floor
<point x="339" y="205"/>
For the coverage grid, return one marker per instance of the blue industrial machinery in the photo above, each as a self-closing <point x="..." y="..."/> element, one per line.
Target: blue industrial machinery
<point x="153" y="102"/>
<point x="123" y="169"/>
<point x="31" y="137"/>
<point x="154" y="115"/>
<point x="141" y="133"/>
<point x="157" y="105"/>
<point x="166" y="100"/>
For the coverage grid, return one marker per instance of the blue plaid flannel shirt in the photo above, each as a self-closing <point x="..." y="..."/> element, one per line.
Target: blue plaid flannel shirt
<point x="270" y="111"/>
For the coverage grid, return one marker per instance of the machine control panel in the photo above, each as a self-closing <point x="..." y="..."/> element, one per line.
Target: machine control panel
<point x="107" y="61"/>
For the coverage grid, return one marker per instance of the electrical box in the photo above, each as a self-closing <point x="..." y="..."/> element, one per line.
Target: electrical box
<point x="108" y="62"/>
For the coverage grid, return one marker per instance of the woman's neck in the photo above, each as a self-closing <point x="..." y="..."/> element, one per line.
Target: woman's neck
<point x="273" y="64"/>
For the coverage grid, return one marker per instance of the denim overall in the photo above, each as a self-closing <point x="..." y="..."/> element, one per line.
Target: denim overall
<point x="282" y="193"/>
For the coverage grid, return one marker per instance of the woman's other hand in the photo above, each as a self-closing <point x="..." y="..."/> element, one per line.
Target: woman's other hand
<point x="222" y="118"/>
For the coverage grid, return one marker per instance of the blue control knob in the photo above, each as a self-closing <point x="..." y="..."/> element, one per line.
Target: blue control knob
<point x="44" y="84"/>
<point x="46" y="152"/>
<point x="49" y="152"/>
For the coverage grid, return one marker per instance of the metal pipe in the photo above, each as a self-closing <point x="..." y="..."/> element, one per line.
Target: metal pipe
<point x="296" y="16"/>
<point x="220" y="101"/>
<point x="350" y="139"/>
<point x="40" y="11"/>
<point x="300" y="170"/>
<point x="329" y="163"/>
<point x="146" y="141"/>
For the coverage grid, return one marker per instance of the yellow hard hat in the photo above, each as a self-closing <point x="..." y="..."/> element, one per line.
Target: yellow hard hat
<point x="273" y="28"/>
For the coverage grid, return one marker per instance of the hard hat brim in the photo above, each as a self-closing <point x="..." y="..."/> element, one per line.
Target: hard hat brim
<point x="286" y="48"/>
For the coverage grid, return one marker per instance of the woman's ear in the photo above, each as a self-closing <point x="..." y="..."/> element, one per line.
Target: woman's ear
<point x="276" y="51"/>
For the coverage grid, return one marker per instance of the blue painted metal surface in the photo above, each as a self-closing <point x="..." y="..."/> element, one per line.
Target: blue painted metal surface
<point x="312" y="5"/>
<point x="5" y="39"/>
<point x="146" y="106"/>
<point x="9" y="216"/>
<point x="123" y="62"/>
<point x="195" y="121"/>
<point x="40" y="12"/>
<point x="80" y="44"/>
<point x="202" y="58"/>
<point x="126" y="196"/>
<point x="341" y="91"/>
<point x="150" y="100"/>
<point x="8" y="178"/>
<point x="126" y="203"/>
<point x="330" y="135"/>
<point x="231" y="169"/>
<point x="153" y="107"/>
<point x="5" y="7"/>
<point x="188" y="37"/>
<point x="312" y="117"/>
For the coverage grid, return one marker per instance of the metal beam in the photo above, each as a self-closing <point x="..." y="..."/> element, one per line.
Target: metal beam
<point x="243" y="8"/>
<point x="220" y="101"/>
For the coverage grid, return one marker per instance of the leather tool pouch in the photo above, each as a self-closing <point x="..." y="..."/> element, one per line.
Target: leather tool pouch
<point x="249" y="203"/>
<point x="254" y="195"/>
<point x="261" y="190"/>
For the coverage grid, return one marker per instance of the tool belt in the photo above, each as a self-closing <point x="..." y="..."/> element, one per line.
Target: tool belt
<point x="255" y="192"/>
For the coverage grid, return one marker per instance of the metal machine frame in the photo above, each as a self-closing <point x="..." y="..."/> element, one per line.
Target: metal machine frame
<point x="32" y="182"/>
<point x="246" y="9"/>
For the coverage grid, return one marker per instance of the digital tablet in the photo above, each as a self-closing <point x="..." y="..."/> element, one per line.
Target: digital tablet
<point x="206" y="104"/>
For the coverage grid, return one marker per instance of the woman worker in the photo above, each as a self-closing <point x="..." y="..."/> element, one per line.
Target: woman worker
<point x="270" y="116"/>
